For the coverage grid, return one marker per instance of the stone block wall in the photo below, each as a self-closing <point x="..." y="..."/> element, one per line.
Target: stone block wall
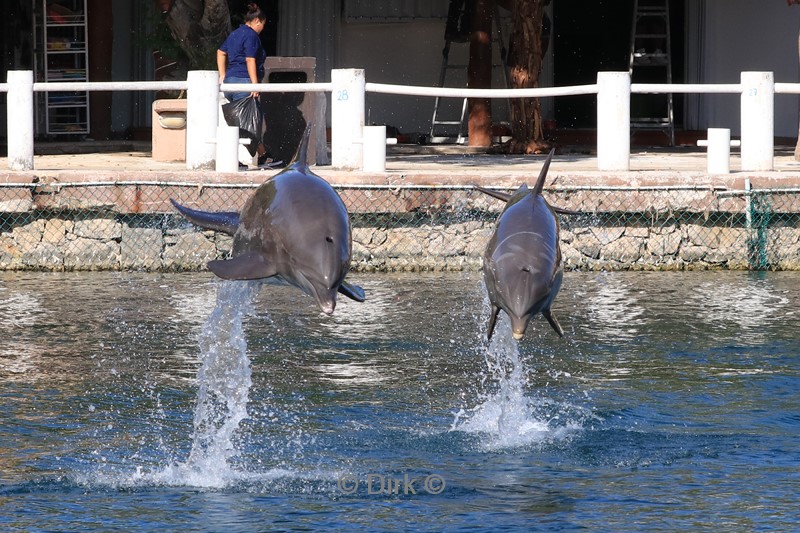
<point x="406" y="230"/>
<point x="106" y="244"/>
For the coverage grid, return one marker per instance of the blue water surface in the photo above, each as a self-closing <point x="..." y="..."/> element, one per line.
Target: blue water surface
<point x="672" y="403"/>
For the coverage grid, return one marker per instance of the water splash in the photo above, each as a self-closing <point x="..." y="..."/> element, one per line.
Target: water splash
<point x="224" y="380"/>
<point x="508" y="416"/>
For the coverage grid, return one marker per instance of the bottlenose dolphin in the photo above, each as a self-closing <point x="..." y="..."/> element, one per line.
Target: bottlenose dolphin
<point x="294" y="228"/>
<point x="522" y="263"/>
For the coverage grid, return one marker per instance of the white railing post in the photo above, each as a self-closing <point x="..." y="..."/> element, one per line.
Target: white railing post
<point x="719" y="150"/>
<point x="227" y="149"/>
<point x="374" y="146"/>
<point x="758" y="104"/>
<point x="202" y="104"/>
<point x="613" y="121"/>
<point x="347" y="118"/>
<point x="20" y="119"/>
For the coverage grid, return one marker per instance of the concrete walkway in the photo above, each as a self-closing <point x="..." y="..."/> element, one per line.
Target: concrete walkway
<point x="426" y="165"/>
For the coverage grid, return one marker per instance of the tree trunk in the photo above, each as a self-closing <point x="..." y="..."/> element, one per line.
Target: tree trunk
<point x="525" y="62"/>
<point x="479" y="73"/>
<point x="199" y="27"/>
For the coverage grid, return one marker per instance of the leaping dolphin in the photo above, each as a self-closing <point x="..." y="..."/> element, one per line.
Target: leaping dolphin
<point x="294" y="228"/>
<point x="522" y="263"/>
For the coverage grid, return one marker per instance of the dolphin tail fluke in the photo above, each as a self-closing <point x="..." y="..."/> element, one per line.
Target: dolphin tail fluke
<point x="226" y="222"/>
<point x="553" y="322"/>
<point x="492" y="322"/>
<point x="247" y="266"/>
<point x="300" y="159"/>
<point x="495" y="194"/>
<point x="354" y="292"/>
<point x="537" y="190"/>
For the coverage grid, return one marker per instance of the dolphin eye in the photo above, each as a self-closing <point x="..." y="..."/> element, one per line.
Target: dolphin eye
<point x="329" y="239"/>
<point x="526" y="269"/>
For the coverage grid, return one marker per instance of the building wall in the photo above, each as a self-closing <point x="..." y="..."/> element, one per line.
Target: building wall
<point x="729" y="36"/>
<point x="406" y="53"/>
<point x="409" y="53"/>
<point x="743" y="35"/>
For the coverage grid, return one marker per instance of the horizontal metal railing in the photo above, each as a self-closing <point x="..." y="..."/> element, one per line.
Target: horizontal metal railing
<point x="347" y="101"/>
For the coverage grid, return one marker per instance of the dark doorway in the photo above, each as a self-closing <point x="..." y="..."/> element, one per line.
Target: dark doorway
<point x="17" y="48"/>
<point x="589" y="37"/>
<point x="269" y="37"/>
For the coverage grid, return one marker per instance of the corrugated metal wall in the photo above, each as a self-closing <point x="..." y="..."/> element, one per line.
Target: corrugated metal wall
<point x="307" y="28"/>
<point x="394" y="10"/>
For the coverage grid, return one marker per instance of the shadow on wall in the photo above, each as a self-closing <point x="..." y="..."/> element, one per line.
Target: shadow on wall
<point x="284" y="117"/>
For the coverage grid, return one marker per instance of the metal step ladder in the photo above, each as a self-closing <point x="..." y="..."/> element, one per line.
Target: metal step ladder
<point x="452" y="130"/>
<point x="651" y="62"/>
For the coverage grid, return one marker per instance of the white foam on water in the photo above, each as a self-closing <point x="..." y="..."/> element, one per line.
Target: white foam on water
<point x="180" y="475"/>
<point x="508" y="417"/>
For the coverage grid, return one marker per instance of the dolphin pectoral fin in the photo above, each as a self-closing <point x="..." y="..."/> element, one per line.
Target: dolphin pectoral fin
<point x="354" y="292"/>
<point x="492" y="321"/>
<point x="242" y="267"/>
<point x="553" y="322"/>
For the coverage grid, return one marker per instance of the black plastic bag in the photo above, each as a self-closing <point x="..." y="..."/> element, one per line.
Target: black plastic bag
<point x="247" y="115"/>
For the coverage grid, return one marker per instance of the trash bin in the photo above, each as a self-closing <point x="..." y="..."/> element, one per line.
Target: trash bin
<point x="287" y="114"/>
<point x="169" y="130"/>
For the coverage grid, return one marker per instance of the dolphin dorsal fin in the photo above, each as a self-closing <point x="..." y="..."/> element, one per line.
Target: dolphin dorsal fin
<point x="537" y="190"/>
<point x="300" y="159"/>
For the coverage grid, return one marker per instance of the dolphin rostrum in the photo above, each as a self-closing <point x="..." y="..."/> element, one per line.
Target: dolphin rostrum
<point x="522" y="263"/>
<point x="294" y="228"/>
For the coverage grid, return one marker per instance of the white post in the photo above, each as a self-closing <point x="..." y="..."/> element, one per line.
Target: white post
<point x="613" y="121"/>
<point x="347" y="118"/>
<point x="20" y="119"/>
<point x="227" y="152"/>
<point x="758" y="103"/>
<point x="719" y="151"/>
<point x="202" y="109"/>
<point x="374" y="149"/>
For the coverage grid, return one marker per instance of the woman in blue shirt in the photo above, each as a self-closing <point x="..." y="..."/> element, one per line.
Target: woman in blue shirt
<point x="241" y="58"/>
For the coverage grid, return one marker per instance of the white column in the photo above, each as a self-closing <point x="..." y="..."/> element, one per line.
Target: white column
<point x="613" y="120"/>
<point x="758" y="103"/>
<point x="202" y="110"/>
<point x="20" y="119"/>
<point x="347" y="118"/>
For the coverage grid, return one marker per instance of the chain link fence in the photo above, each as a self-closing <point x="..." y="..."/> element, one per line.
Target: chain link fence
<point x="132" y="226"/>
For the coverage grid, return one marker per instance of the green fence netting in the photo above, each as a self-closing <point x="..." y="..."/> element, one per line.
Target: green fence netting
<point x="132" y="225"/>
